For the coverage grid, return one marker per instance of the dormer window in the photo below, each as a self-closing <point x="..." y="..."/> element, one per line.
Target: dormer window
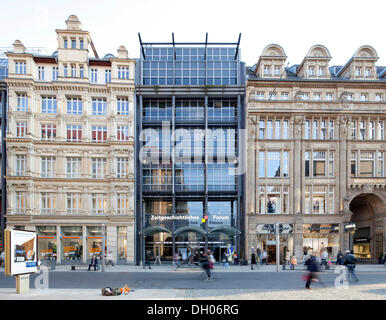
<point x="267" y="70"/>
<point x="304" y="96"/>
<point x="378" y="97"/>
<point x="349" y="97"/>
<point x="284" y="96"/>
<point x="260" y="96"/>
<point x="328" y="96"/>
<point x="322" y="71"/>
<point x="316" y="96"/>
<point x="358" y="72"/>
<point x="368" y="72"/>
<point x="277" y="70"/>
<point x="311" y="71"/>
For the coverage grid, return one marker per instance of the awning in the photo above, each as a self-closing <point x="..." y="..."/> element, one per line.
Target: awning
<point x="190" y="228"/>
<point x="153" y="229"/>
<point x="226" y="229"/>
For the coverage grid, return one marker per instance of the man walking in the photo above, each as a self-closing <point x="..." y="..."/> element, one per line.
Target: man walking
<point x="313" y="269"/>
<point x="253" y="257"/>
<point x="349" y="261"/>
<point x="147" y="259"/>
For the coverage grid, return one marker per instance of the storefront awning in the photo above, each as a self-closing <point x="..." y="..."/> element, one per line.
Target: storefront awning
<point x="153" y="229"/>
<point x="189" y="228"/>
<point x="226" y="229"/>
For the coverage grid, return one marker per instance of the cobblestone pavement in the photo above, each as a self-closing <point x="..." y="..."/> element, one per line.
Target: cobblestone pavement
<point x="365" y="292"/>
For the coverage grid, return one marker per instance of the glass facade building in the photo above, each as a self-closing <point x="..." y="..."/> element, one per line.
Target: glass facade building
<point x="190" y="108"/>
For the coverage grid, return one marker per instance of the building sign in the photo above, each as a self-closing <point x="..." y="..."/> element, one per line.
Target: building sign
<point x="21" y="252"/>
<point x="320" y="228"/>
<point x="362" y="240"/>
<point x="270" y="228"/>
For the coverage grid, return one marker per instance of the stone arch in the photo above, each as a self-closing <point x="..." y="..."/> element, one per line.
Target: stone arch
<point x="318" y="51"/>
<point x="274" y="50"/>
<point x="366" y="52"/>
<point x="365" y="190"/>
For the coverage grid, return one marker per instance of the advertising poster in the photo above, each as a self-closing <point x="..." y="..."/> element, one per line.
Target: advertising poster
<point x="22" y="246"/>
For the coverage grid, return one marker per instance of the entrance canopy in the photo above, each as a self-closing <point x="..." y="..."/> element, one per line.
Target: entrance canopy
<point x="189" y="228"/>
<point x="153" y="229"/>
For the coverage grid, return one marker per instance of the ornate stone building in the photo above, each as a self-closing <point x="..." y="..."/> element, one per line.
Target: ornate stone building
<point x="70" y="148"/>
<point x="316" y="154"/>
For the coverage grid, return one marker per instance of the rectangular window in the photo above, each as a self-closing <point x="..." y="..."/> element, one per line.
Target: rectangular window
<point x="329" y="96"/>
<point x="123" y="73"/>
<point x="99" y="107"/>
<point x="367" y="164"/>
<point x="122" y="167"/>
<point x="21" y="129"/>
<point x="273" y="164"/>
<point x="49" y="105"/>
<point x="73" y="71"/>
<point x="74" y="133"/>
<point x="20" y="67"/>
<point x="311" y="71"/>
<point x="81" y="44"/>
<point x="99" y="134"/>
<point x="98" y="168"/>
<point x="362" y="130"/>
<point x="368" y="72"/>
<point x="73" y="203"/>
<point x="272" y="96"/>
<point x="358" y="71"/>
<point x="267" y="70"/>
<point x="73" y="43"/>
<point x="284" y="96"/>
<point x="122" y="133"/>
<point x="378" y="97"/>
<point x="322" y="71"/>
<point x="273" y="199"/>
<point x="349" y="97"/>
<point x="315" y="130"/>
<point x="372" y="130"/>
<point x="277" y="70"/>
<point x="22" y="102"/>
<point x="319" y="164"/>
<point x="74" y="106"/>
<point x="277" y="129"/>
<point x="381" y="130"/>
<point x="48" y="132"/>
<point x="47" y="202"/>
<point x="380" y="164"/>
<point x="260" y="96"/>
<point x="305" y="96"/>
<point x="55" y="72"/>
<point x="307" y="196"/>
<point x="47" y="167"/>
<point x="307" y="159"/>
<point x="262" y="129"/>
<point x="319" y="199"/>
<point x="317" y="97"/>
<point x="94" y="75"/>
<point x="107" y="75"/>
<point x="261" y="164"/>
<point x="323" y="130"/>
<point x="331" y="130"/>
<point x="353" y="164"/>
<point x="41" y="72"/>
<point x="122" y="203"/>
<point x="285" y="129"/>
<point x="122" y="106"/>
<point x="81" y="72"/>
<point x="262" y="205"/>
<point x="364" y="97"/>
<point x="307" y="130"/>
<point x="331" y="164"/>
<point x="21" y="165"/>
<point x="65" y="43"/>
<point x="269" y="129"/>
<point x="353" y="130"/>
<point x="65" y="71"/>
<point x="20" y="201"/>
<point x="73" y="167"/>
<point x="99" y="203"/>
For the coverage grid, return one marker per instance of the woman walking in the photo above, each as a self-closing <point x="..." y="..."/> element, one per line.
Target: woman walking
<point x="253" y="257"/>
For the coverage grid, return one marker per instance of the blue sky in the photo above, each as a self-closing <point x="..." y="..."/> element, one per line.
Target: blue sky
<point x="342" y="26"/>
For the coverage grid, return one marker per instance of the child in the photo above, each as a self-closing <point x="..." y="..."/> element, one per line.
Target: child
<point x="294" y="262"/>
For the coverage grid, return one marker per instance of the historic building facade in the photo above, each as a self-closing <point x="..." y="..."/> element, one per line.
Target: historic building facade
<point x="70" y="148"/>
<point x="316" y="154"/>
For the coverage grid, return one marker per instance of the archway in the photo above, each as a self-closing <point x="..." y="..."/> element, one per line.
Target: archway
<point x="367" y="239"/>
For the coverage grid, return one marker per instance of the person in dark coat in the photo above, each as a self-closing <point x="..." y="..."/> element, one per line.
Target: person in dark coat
<point x="313" y="269"/>
<point x="94" y="262"/>
<point x="339" y="258"/>
<point x="205" y="263"/>
<point x="350" y="261"/>
<point x="253" y="257"/>
<point x="148" y="257"/>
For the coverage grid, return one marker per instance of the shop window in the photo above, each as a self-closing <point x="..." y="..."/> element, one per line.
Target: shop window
<point x="94" y="241"/>
<point x="47" y="242"/>
<point x="122" y="243"/>
<point x="72" y="249"/>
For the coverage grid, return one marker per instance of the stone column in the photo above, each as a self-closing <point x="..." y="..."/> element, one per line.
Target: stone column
<point x="58" y="245"/>
<point x="84" y="244"/>
<point x="297" y="166"/>
<point x="298" y="239"/>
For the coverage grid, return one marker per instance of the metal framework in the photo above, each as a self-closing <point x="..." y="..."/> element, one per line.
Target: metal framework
<point x="174" y="44"/>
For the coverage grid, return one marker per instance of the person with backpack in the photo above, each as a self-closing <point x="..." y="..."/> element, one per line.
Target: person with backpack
<point x="350" y="261"/>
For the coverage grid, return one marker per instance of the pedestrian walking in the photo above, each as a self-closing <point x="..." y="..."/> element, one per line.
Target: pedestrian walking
<point x="148" y="257"/>
<point x="313" y="269"/>
<point x="205" y="263"/>
<point x="93" y="263"/>
<point x="225" y="261"/>
<point x="253" y="257"/>
<point x="350" y="261"/>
